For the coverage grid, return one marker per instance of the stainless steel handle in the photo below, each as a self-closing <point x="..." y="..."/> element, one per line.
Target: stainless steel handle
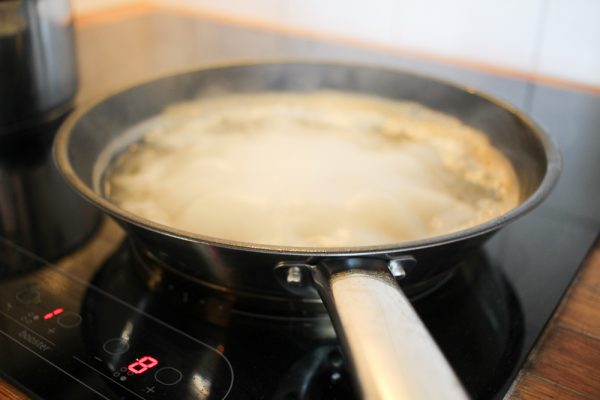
<point x="390" y="351"/>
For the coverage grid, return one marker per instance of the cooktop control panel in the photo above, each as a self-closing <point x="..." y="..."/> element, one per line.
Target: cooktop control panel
<point x="62" y="327"/>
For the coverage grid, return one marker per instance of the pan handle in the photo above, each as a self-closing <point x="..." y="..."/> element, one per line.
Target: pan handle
<point x="389" y="349"/>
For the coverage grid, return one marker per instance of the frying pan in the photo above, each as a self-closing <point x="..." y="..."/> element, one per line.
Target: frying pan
<point x="389" y="350"/>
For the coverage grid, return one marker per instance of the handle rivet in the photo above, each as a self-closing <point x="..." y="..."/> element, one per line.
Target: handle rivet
<point x="294" y="276"/>
<point x="396" y="268"/>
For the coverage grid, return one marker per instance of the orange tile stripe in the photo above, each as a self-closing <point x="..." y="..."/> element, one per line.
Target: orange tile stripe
<point x="146" y="7"/>
<point x="113" y="14"/>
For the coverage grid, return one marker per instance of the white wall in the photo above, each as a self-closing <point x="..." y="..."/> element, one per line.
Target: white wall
<point x="554" y="38"/>
<point x="571" y="41"/>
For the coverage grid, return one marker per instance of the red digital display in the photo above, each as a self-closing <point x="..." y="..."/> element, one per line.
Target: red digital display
<point x="142" y="364"/>
<point x="54" y="313"/>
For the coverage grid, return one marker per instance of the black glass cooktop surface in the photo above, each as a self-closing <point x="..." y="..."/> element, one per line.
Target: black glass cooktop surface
<point x="94" y="323"/>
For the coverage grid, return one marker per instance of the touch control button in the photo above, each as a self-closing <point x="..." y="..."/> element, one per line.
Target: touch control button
<point x="69" y="319"/>
<point x="168" y="376"/>
<point x="116" y="346"/>
<point x="29" y="295"/>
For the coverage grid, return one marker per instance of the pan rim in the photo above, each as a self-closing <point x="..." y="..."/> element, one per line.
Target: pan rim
<point x="553" y="168"/>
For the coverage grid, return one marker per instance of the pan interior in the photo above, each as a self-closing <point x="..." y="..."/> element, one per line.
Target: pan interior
<point x="312" y="169"/>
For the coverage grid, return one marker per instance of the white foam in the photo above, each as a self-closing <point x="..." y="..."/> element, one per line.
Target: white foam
<point x="316" y="169"/>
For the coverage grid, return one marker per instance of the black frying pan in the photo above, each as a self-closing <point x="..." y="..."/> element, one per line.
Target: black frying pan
<point x="389" y="350"/>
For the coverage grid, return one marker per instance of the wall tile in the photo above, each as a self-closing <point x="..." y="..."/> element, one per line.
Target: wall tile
<point x="571" y="42"/>
<point x="501" y="33"/>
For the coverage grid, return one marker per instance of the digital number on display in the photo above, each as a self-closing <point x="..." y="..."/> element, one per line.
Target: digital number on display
<point x="142" y="364"/>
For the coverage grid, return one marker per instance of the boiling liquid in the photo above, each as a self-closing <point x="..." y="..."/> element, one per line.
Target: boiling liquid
<point x="312" y="169"/>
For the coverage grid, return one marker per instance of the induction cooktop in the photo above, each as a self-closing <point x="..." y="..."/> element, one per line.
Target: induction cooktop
<point x="81" y="317"/>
